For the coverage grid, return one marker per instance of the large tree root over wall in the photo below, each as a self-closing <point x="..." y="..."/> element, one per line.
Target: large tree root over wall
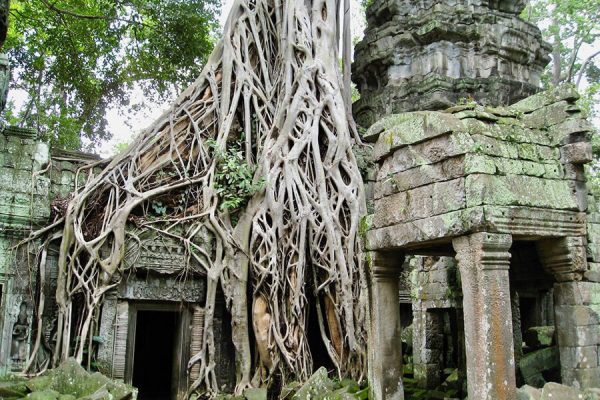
<point x="270" y="98"/>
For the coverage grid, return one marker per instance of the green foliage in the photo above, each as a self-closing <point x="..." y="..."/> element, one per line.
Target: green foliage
<point x="234" y="180"/>
<point x="119" y="148"/>
<point x="573" y="29"/>
<point x="158" y="208"/>
<point x="76" y="58"/>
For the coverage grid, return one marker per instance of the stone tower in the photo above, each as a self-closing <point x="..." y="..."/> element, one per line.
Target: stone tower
<point x="428" y="54"/>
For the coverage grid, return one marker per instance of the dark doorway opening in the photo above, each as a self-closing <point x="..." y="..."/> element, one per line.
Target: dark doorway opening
<point x="154" y="354"/>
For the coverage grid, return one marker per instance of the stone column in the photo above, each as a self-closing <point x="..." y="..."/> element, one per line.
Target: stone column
<point x="385" y="344"/>
<point x="106" y="332"/>
<point x="483" y="261"/>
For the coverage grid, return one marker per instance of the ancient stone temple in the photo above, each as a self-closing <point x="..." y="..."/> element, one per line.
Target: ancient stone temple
<point x="482" y="239"/>
<point x="149" y="324"/>
<point x="481" y="220"/>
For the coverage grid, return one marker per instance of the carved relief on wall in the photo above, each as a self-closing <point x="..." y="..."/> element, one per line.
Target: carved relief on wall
<point x="156" y="287"/>
<point x="157" y="252"/>
<point x="20" y="336"/>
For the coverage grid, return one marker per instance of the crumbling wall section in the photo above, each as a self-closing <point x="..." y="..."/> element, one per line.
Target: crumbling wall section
<point x="24" y="206"/>
<point x="31" y="178"/>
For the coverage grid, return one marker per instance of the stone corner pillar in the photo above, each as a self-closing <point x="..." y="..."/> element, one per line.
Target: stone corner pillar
<point x="483" y="261"/>
<point x="385" y="344"/>
<point x="576" y="310"/>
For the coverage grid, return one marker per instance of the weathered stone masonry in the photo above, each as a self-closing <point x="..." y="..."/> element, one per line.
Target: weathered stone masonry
<point x="428" y="54"/>
<point x="472" y="182"/>
<point x="24" y="204"/>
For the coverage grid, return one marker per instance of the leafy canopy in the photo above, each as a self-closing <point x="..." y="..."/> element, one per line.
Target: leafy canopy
<point x="76" y="58"/>
<point x="573" y="29"/>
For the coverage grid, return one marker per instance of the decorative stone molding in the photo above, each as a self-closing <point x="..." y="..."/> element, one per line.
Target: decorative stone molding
<point x="427" y="55"/>
<point x="565" y="258"/>
<point x="483" y="250"/>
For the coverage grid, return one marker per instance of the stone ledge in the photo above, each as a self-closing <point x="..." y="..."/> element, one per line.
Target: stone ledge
<point x="525" y="223"/>
<point x="440" y="198"/>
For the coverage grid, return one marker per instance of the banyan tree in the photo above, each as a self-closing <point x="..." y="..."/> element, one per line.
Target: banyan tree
<point x="253" y="169"/>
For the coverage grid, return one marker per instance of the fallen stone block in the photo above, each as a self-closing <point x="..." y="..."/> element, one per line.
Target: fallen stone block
<point x="256" y="394"/>
<point x="533" y="364"/>
<point x="528" y="393"/>
<point x="317" y="384"/>
<point x="556" y="391"/>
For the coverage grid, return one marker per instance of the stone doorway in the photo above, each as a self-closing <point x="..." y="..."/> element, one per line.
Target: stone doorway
<point x="158" y="348"/>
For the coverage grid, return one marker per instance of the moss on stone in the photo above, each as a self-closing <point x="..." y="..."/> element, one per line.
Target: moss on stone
<point x="537" y="101"/>
<point x="71" y="381"/>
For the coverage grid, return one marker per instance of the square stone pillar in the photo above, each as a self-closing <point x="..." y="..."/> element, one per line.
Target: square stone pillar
<point x="483" y="261"/>
<point x="428" y="348"/>
<point x="385" y="344"/>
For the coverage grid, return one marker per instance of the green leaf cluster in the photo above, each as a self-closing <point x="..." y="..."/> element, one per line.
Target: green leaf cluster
<point x="573" y="29"/>
<point x="234" y="178"/>
<point x="74" y="59"/>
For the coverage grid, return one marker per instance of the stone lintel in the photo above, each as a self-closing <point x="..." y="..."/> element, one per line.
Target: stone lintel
<point x="526" y="223"/>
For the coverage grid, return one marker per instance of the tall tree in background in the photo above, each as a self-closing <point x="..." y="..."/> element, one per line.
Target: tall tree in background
<point x="74" y="59"/>
<point x="573" y="29"/>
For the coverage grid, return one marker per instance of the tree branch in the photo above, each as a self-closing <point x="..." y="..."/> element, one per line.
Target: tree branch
<point x="52" y="7"/>
<point x="585" y="65"/>
<point x="62" y="11"/>
<point x="576" y="46"/>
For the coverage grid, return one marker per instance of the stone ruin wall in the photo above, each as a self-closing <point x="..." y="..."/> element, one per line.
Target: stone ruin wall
<point x="35" y="184"/>
<point x="23" y="205"/>
<point x="31" y="177"/>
